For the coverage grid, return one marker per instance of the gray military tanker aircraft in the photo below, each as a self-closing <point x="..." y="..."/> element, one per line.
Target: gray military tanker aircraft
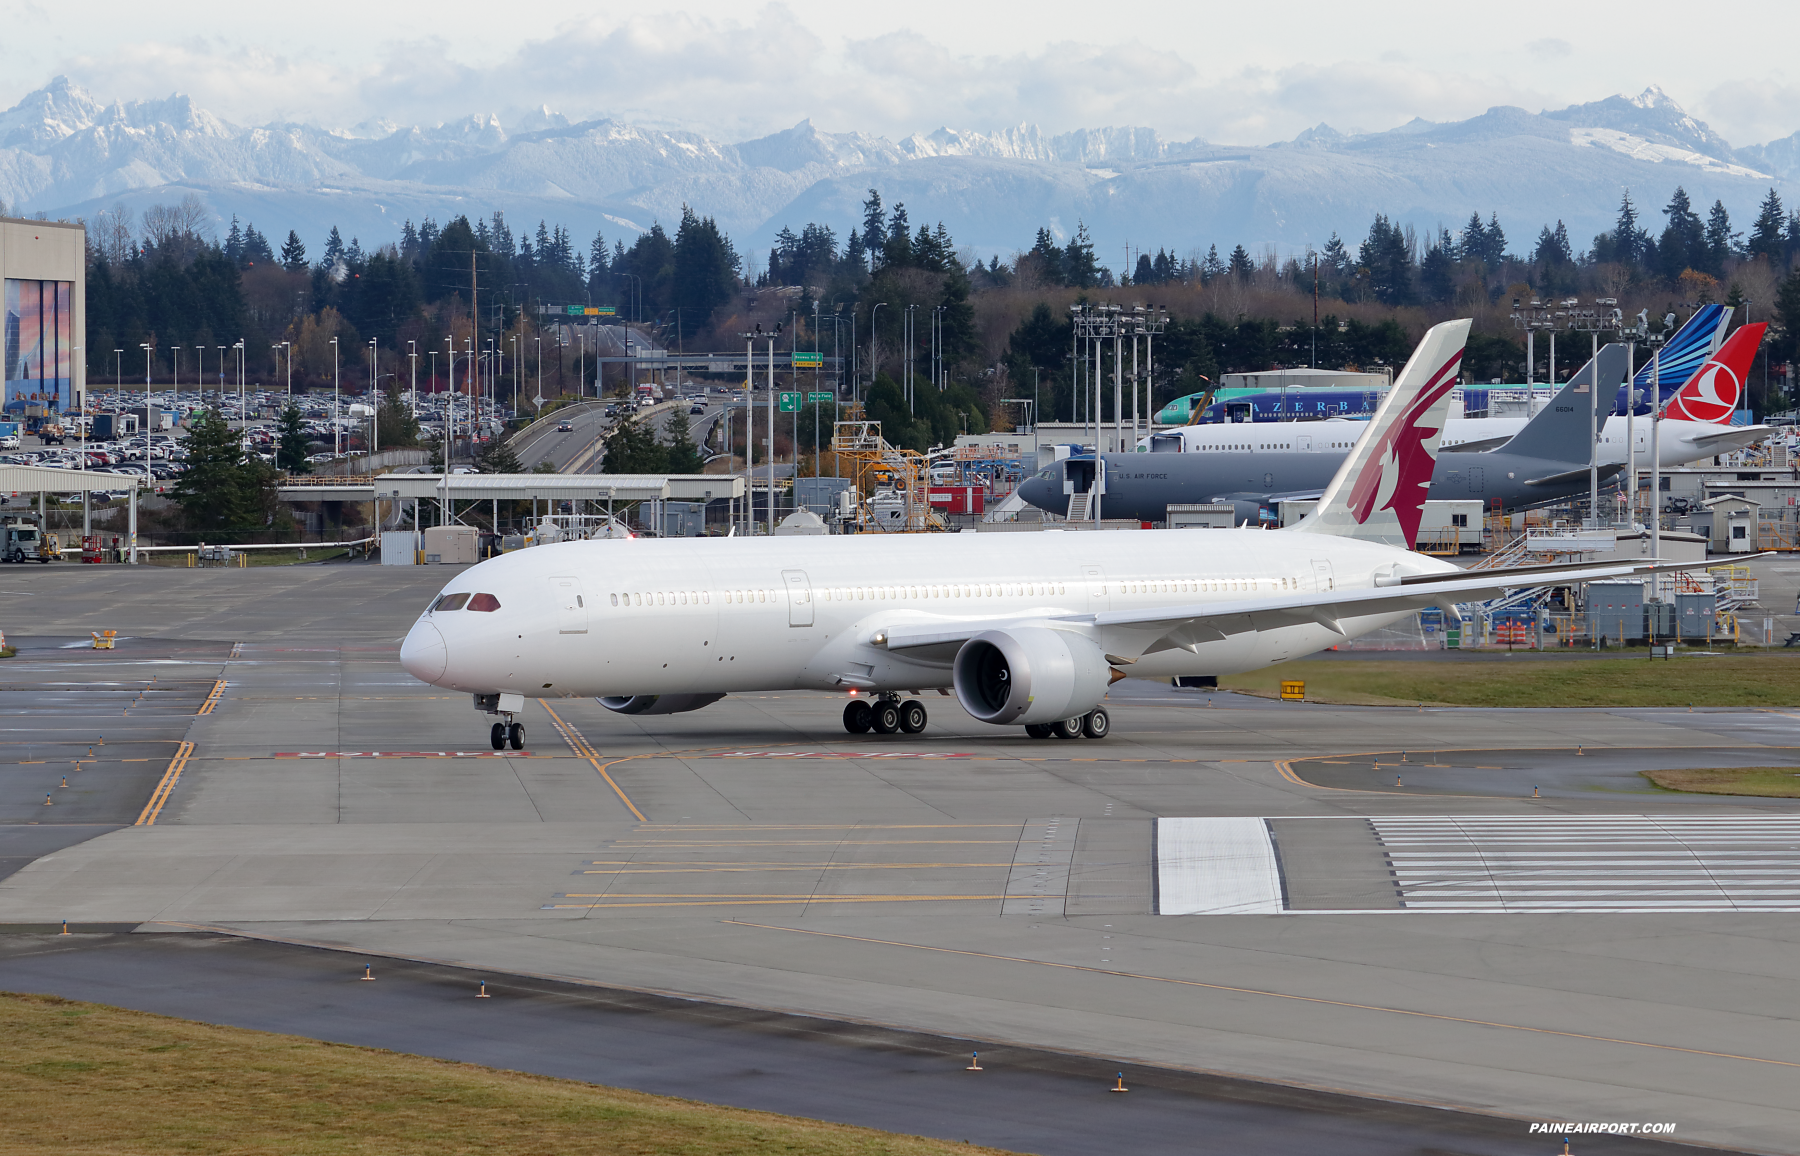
<point x="1255" y="465"/>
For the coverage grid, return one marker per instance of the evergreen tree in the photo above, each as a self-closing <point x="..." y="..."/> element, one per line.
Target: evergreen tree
<point x="705" y="271"/>
<point x="681" y="455"/>
<point x="1080" y="269"/>
<point x="856" y="254"/>
<point x="1241" y="266"/>
<point x="1496" y="242"/>
<point x="1473" y="243"/>
<point x="293" y="253"/>
<point x="334" y="249"/>
<point x="219" y="491"/>
<point x="234" y="242"/>
<point x="1683" y="243"/>
<point x="497" y="456"/>
<point x="292" y="444"/>
<point x="1766" y="238"/>
<point x="1213" y="267"/>
<point x="1145" y="271"/>
<point x="1784" y="344"/>
<point x="632" y="448"/>
<point x="256" y="248"/>
<point x="1335" y="256"/>
<point x="874" y="233"/>
<point x="409" y="242"/>
<point x="897" y="250"/>
<point x="1049" y="257"/>
<point x="1437" y="272"/>
<point x="1628" y="236"/>
<point x="395" y="425"/>
<point x="1386" y="256"/>
<point x="1721" y="242"/>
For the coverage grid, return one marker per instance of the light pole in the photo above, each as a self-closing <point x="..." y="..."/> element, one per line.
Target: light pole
<point x="412" y="359"/>
<point x="874" y="358"/>
<point x="374" y="402"/>
<point x="337" y="445"/>
<point x="287" y="349"/>
<point x="540" y="366"/>
<point x="243" y="413"/>
<point x="147" y="355"/>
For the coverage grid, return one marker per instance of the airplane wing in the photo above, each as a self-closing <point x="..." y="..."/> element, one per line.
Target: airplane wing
<point x="1735" y="438"/>
<point x="1580" y="475"/>
<point x="1127" y="635"/>
<point x="1478" y="447"/>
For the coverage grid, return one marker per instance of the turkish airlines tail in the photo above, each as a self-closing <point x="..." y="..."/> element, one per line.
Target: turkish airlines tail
<point x="1712" y="393"/>
<point x="1379" y="492"/>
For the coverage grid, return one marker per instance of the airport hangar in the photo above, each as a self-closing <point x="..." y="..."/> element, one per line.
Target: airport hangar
<point x="1399" y="908"/>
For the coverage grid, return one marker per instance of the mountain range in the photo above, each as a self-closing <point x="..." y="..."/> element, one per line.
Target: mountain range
<point x="66" y="155"/>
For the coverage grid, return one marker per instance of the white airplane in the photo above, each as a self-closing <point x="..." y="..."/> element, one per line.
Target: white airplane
<point x="1026" y="629"/>
<point x="1695" y="422"/>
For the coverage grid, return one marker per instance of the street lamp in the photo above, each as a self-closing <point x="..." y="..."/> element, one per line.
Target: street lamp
<point x="374" y="401"/>
<point x="243" y="412"/>
<point x="874" y="360"/>
<point x="412" y="358"/>
<point x="337" y="442"/>
<point x="147" y="355"/>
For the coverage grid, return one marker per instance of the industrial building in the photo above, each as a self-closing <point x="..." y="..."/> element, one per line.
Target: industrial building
<point x="44" y="281"/>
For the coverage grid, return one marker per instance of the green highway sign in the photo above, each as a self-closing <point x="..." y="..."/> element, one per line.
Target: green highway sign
<point x="820" y="397"/>
<point x="809" y="360"/>
<point x="790" y="402"/>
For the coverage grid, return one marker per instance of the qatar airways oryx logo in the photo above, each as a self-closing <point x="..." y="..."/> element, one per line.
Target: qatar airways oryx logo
<point x="1710" y="397"/>
<point x="1397" y="472"/>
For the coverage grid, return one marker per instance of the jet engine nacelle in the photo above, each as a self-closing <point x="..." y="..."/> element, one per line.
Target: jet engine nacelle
<point x="658" y="703"/>
<point x="1030" y="675"/>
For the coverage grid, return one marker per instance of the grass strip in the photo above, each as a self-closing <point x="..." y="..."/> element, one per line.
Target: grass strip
<point x="1767" y="680"/>
<point x="87" y="1078"/>
<point x="1767" y="782"/>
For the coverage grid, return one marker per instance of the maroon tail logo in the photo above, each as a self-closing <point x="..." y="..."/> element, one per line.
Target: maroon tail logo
<point x="1397" y="473"/>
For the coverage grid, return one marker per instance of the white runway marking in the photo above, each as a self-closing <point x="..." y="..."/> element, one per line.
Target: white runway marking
<point x="1595" y="863"/>
<point x="1216" y="867"/>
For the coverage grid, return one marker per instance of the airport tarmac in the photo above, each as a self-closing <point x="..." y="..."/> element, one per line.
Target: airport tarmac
<point x="1424" y="933"/>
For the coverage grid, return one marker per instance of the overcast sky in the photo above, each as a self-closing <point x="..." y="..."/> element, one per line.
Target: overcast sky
<point x="1237" y="73"/>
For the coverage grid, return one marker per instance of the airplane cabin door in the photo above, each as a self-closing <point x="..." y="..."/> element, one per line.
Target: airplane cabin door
<point x="1098" y="599"/>
<point x="1303" y="443"/>
<point x="571" y="607"/>
<point x="799" y="591"/>
<point x="1323" y="581"/>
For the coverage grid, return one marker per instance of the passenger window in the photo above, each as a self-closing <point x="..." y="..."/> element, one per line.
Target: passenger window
<point x="615" y="599"/>
<point x="451" y="602"/>
<point x="486" y="602"/>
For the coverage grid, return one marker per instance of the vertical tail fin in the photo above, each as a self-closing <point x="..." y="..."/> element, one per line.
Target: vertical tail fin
<point x="1712" y="393"/>
<point x="1682" y="355"/>
<point x="1563" y="431"/>
<point x="1379" y="492"/>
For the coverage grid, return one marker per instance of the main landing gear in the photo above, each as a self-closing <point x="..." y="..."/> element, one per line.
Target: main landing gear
<point x="887" y="714"/>
<point x="1096" y="724"/>
<point x="506" y="734"/>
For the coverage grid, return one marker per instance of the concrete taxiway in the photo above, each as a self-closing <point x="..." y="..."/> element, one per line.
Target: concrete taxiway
<point x="1429" y="933"/>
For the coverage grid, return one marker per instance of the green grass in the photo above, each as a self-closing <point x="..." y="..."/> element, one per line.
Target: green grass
<point x="1771" y="680"/>
<point x="77" y="1077"/>
<point x="1766" y="782"/>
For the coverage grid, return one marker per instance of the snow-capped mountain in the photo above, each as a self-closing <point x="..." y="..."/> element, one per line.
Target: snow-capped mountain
<point x="64" y="154"/>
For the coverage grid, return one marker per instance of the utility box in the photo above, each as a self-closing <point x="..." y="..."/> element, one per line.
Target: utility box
<point x="958" y="499"/>
<point x="682" y="520"/>
<point x="451" y="545"/>
<point x="1694" y="615"/>
<point x="820" y="495"/>
<point x="399" y="547"/>
<point x="1660" y="617"/>
<point x="1616" y="610"/>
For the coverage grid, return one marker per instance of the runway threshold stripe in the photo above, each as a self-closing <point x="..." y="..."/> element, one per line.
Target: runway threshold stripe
<point x="580" y="746"/>
<point x="153" y="808"/>
<point x="1313" y="999"/>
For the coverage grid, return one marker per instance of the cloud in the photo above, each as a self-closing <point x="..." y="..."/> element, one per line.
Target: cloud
<point x="1751" y="111"/>
<point x="1551" y="48"/>
<point x="734" y="77"/>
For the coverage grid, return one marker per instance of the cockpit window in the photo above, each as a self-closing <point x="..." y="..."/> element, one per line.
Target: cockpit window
<point x="484" y="602"/>
<point x="450" y="602"/>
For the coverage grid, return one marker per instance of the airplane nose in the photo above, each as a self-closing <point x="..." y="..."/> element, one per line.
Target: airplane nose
<point x="1036" y="491"/>
<point x="423" y="654"/>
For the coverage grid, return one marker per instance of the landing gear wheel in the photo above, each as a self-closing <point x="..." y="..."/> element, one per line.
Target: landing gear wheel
<point x="515" y="734"/>
<point x="1097" y="725"/>
<point x="912" y="716"/>
<point x="1069" y="728"/>
<point x="887" y="718"/>
<point x="1038" y="730"/>
<point x="497" y="736"/>
<point x="858" y="716"/>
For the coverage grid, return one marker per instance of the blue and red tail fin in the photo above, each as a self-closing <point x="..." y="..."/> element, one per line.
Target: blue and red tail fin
<point x="1379" y="492"/>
